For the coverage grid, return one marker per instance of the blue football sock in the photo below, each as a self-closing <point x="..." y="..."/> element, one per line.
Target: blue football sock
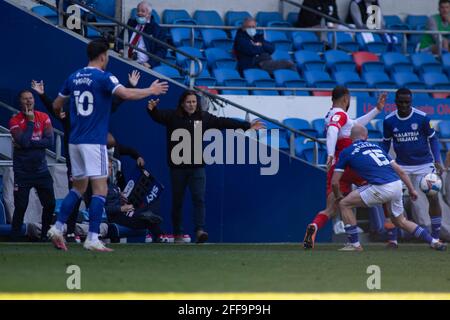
<point x="352" y="234"/>
<point x="392" y="234"/>
<point x="436" y="226"/>
<point x="67" y="206"/>
<point x="423" y="234"/>
<point x="95" y="213"/>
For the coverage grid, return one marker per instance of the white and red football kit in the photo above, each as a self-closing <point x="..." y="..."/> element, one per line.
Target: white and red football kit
<point x="339" y="126"/>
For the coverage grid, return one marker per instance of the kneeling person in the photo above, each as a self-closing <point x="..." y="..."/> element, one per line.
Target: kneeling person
<point x="383" y="176"/>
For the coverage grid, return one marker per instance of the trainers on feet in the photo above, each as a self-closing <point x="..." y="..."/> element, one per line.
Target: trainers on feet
<point x="57" y="238"/>
<point x="391" y="245"/>
<point x="201" y="236"/>
<point x="96" y="246"/>
<point x="310" y="237"/>
<point x="439" y="246"/>
<point x="351" y="247"/>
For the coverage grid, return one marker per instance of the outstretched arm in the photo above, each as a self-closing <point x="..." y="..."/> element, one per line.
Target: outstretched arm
<point x="365" y="119"/>
<point x="157" y="88"/>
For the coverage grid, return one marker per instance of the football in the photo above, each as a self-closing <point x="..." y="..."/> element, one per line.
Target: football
<point x="431" y="184"/>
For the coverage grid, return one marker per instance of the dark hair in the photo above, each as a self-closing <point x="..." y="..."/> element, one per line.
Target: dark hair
<point x="97" y="47"/>
<point x="443" y="2"/>
<point x="339" y="92"/>
<point x="21" y="92"/>
<point x="403" y="91"/>
<point x="183" y="97"/>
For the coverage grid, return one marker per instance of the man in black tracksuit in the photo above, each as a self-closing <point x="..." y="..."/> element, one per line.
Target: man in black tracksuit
<point x="189" y="115"/>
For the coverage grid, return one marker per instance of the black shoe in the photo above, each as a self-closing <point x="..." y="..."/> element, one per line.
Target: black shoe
<point x="202" y="236"/>
<point x="310" y="237"/>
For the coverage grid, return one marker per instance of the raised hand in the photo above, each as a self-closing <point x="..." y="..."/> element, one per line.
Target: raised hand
<point x="38" y="87"/>
<point x="140" y="162"/>
<point x="381" y="101"/>
<point x="133" y="77"/>
<point x="152" y="104"/>
<point x="159" y="88"/>
<point x="29" y="113"/>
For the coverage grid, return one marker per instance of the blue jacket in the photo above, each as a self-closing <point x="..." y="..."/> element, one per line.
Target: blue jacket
<point x="153" y="29"/>
<point x="247" y="53"/>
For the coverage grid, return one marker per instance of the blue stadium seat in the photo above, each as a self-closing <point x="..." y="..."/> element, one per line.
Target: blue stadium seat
<point x="169" y="72"/>
<point x="281" y="55"/>
<point x="375" y="45"/>
<point x="205" y="79"/>
<point x="416" y="22"/>
<point x="305" y="150"/>
<point x="319" y="126"/>
<point x="289" y="78"/>
<point x="408" y="79"/>
<point x="260" y="78"/>
<point x="177" y="17"/>
<point x="364" y="95"/>
<point x="231" y="78"/>
<point x="305" y="40"/>
<point x="233" y="17"/>
<point x="219" y="58"/>
<point x="292" y="18"/>
<point x="378" y="79"/>
<point x="338" y="60"/>
<point x="435" y="80"/>
<point x="208" y="17"/>
<point x="214" y="38"/>
<point x="446" y="63"/>
<point x="155" y="15"/>
<point x="396" y="62"/>
<point x="344" y="41"/>
<point x="349" y="79"/>
<point x="300" y="125"/>
<point x="319" y="79"/>
<point x="425" y="62"/>
<point x="108" y="7"/>
<point x="278" y="39"/>
<point x="444" y="129"/>
<point x="263" y="18"/>
<point x="181" y="37"/>
<point x="183" y="61"/>
<point x="267" y="134"/>
<point x="309" y="61"/>
<point x="394" y="22"/>
<point x="46" y="12"/>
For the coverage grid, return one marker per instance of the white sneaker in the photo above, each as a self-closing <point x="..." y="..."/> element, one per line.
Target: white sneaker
<point x="57" y="238"/>
<point x="96" y="246"/>
<point x="351" y="247"/>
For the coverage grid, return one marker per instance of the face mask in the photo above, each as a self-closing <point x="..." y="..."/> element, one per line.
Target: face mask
<point x="141" y="20"/>
<point x="251" y="32"/>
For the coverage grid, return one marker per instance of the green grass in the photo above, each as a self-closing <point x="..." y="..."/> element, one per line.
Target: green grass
<point x="223" y="268"/>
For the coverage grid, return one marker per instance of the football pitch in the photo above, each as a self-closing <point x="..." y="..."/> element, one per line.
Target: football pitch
<point x="209" y="269"/>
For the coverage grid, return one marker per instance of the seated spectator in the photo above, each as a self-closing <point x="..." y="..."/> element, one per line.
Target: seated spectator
<point x="358" y="15"/>
<point x="308" y="19"/>
<point x="145" y="23"/>
<point x="252" y="51"/>
<point x="119" y="211"/>
<point x="32" y="133"/>
<point x="438" y="22"/>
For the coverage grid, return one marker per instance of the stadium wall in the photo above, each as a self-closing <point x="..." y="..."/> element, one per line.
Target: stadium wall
<point x="242" y="205"/>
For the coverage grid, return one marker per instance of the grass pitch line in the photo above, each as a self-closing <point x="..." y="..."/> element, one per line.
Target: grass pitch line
<point x="228" y="296"/>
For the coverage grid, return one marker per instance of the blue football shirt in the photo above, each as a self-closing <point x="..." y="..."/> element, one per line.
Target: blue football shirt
<point x="369" y="161"/>
<point x="90" y="91"/>
<point x="410" y="137"/>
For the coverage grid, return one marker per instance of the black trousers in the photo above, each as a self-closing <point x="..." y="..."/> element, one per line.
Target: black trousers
<point x="195" y="179"/>
<point x="44" y="187"/>
<point x="134" y="222"/>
